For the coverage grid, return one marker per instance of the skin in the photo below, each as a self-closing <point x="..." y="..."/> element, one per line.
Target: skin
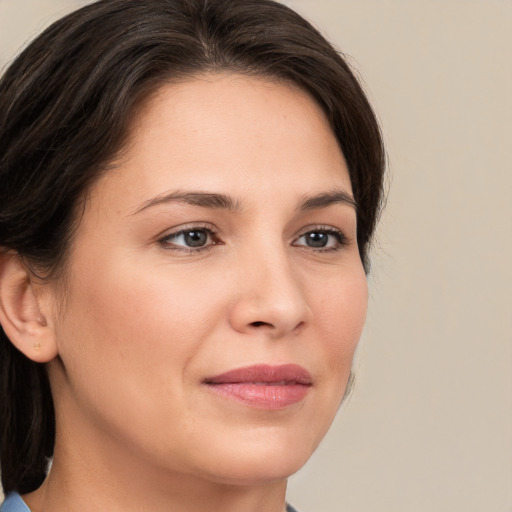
<point x="146" y="319"/>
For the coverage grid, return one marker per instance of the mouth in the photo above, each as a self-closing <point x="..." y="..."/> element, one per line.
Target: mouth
<point x="263" y="386"/>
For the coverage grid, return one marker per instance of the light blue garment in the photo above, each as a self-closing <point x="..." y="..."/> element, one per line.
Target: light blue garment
<point x="14" y="503"/>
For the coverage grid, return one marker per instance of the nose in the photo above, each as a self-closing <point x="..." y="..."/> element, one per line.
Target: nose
<point x="270" y="297"/>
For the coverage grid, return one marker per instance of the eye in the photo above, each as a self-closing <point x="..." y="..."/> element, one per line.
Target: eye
<point x="190" y="239"/>
<point x="322" y="239"/>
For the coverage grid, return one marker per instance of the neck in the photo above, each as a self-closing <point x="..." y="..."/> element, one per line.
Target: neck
<point x="85" y="478"/>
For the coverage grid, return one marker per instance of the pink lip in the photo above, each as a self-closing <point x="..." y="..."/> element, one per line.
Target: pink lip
<point x="263" y="386"/>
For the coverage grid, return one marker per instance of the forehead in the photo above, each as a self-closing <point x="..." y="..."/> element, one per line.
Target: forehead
<point x="230" y="131"/>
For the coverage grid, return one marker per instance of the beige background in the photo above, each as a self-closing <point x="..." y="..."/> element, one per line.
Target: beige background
<point x="429" y="426"/>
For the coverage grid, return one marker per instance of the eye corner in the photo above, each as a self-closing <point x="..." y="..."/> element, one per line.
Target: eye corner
<point x="321" y="238"/>
<point x="190" y="239"/>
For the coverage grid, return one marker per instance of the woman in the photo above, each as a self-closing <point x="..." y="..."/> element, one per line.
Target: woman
<point x="189" y="189"/>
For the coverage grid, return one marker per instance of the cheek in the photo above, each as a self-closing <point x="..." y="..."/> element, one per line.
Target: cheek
<point x="140" y="326"/>
<point x="341" y="314"/>
<point x="127" y="342"/>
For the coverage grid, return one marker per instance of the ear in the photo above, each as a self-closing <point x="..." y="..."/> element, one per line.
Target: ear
<point x="21" y="315"/>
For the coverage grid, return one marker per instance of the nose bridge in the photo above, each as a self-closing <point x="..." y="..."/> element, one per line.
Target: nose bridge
<point x="272" y="297"/>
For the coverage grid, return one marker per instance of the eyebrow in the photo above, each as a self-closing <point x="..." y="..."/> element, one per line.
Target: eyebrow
<point x="325" y="199"/>
<point x="224" y="202"/>
<point x="203" y="199"/>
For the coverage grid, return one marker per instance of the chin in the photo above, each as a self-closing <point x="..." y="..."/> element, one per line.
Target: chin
<point x="252" y="471"/>
<point x="262" y="459"/>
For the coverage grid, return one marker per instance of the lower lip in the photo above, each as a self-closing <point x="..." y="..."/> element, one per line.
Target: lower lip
<point x="263" y="396"/>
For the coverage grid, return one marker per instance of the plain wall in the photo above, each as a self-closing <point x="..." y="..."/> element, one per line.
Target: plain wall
<point x="429" y="425"/>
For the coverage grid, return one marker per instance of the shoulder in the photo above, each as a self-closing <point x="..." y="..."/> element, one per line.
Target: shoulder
<point x="14" y="503"/>
<point x="289" y="508"/>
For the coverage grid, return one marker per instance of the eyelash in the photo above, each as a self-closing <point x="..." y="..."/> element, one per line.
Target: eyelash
<point x="211" y="234"/>
<point x="341" y="239"/>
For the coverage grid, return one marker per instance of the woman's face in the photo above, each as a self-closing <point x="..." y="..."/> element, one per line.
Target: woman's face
<point x="224" y="239"/>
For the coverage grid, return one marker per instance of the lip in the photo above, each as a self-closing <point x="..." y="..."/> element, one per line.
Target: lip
<point x="263" y="386"/>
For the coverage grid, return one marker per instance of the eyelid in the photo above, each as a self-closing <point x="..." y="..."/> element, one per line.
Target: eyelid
<point x="212" y="232"/>
<point x="342" y="239"/>
<point x="162" y="239"/>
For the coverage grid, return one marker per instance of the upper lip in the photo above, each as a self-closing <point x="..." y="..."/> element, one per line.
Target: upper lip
<point x="264" y="374"/>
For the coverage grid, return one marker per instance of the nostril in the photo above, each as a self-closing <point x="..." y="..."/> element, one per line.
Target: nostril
<point x="260" y="324"/>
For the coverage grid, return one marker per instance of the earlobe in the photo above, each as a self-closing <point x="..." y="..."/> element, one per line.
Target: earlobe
<point x="21" y="314"/>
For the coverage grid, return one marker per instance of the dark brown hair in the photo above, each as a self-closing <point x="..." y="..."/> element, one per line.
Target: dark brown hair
<point x="65" y="106"/>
